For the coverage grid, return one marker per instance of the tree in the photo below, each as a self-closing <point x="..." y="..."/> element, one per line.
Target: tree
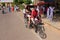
<point x="27" y="1"/>
<point x="16" y="2"/>
<point x="3" y="4"/>
<point x="20" y="1"/>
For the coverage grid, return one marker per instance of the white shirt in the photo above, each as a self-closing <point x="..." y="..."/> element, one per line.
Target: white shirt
<point x="24" y="11"/>
<point x="51" y="9"/>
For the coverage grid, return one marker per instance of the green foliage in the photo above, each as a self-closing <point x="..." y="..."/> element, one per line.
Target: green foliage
<point x="32" y="2"/>
<point x="21" y="6"/>
<point x="27" y="1"/>
<point x="16" y="2"/>
<point x="20" y="1"/>
<point x="13" y="4"/>
<point x="3" y="4"/>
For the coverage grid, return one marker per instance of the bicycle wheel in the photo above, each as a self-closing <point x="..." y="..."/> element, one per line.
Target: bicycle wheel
<point x="43" y="29"/>
<point x="36" y="28"/>
<point x="26" y="24"/>
<point x="42" y="35"/>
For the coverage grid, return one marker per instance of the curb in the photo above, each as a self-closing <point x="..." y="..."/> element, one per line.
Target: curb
<point x="51" y="25"/>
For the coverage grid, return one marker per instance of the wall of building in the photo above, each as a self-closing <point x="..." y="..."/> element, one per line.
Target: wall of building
<point x="36" y="1"/>
<point x="6" y="2"/>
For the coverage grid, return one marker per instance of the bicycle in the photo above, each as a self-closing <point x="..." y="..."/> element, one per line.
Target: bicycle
<point x="26" y="20"/>
<point x="39" y="28"/>
<point x="41" y="31"/>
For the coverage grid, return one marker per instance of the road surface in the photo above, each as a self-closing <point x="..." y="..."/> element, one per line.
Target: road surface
<point x="12" y="28"/>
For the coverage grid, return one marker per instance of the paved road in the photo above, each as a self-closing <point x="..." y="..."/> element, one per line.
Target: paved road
<point x="12" y="28"/>
<point x="52" y="33"/>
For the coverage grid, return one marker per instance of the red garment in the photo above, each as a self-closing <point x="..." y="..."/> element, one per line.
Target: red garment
<point x="34" y="13"/>
<point x="12" y="8"/>
<point x="41" y="11"/>
<point x="46" y="9"/>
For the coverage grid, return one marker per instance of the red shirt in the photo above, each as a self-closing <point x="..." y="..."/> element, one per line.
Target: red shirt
<point x="34" y="13"/>
<point x="12" y="8"/>
<point x="41" y="11"/>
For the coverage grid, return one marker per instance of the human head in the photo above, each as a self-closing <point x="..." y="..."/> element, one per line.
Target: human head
<point x="34" y="7"/>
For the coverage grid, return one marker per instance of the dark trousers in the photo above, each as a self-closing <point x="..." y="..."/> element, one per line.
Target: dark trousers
<point x="3" y="11"/>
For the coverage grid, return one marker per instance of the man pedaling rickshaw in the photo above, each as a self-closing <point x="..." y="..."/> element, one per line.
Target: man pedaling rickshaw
<point x="32" y="15"/>
<point x="28" y="14"/>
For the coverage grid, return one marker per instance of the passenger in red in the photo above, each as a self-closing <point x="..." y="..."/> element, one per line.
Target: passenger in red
<point x="34" y="14"/>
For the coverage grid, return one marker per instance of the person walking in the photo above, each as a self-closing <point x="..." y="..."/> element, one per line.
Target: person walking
<point x="47" y="12"/>
<point x="15" y="8"/>
<point x="12" y="8"/>
<point x="50" y="13"/>
<point x="9" y="8"/>
<point x="3" y="9"/>
<point x="0" y="7"/>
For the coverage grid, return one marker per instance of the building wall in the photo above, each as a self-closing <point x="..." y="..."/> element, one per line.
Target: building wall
<point x="36" y="1"/>
<point x="6" y="4"/>
<point x="6" y="0"/>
